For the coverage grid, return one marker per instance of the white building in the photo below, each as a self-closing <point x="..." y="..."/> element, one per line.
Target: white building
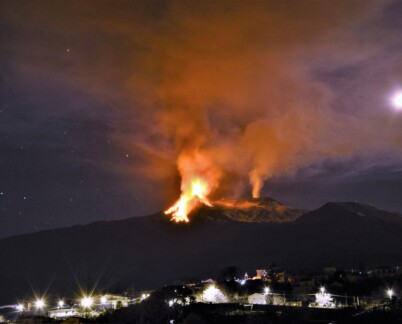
<point x="63" y="312"/>
<point x="112" y="300"/>
<point x="257" y="299"/>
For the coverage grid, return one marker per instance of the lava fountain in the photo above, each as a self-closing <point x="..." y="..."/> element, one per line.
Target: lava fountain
<point x="193" y="194"/>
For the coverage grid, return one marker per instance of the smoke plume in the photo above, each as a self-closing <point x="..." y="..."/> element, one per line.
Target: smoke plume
<point x="235" y="92"/>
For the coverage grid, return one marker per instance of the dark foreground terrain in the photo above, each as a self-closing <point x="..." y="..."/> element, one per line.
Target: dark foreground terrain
<point x="234" y="313"/>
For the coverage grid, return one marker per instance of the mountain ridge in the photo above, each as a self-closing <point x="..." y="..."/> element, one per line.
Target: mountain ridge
<point x="150" y="251"/>
<point x="332" y="209"/>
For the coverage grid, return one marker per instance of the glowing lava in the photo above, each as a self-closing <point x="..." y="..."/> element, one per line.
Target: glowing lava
<point x="192" y="195"/>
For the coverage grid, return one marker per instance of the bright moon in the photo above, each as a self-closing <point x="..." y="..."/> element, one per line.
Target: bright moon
<point x="397" y="100"/>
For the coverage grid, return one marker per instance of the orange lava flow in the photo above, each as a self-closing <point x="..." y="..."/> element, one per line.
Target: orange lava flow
<point x="195" y="193"/>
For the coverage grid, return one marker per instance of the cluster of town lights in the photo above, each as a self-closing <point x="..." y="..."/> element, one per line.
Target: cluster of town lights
<point x="211" y="294"/>
<point x="85" y="302"/>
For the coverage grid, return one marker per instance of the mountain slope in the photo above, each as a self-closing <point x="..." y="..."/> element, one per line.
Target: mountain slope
<point x="151" y="251"/>
<point x="260" y="210"/>
<point x="335" y="211"/>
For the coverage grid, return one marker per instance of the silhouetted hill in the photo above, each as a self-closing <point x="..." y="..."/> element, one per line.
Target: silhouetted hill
<point x="150" y="251"/>
<point x="350" y="210"/>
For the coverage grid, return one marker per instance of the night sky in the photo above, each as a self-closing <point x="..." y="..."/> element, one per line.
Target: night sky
<point x="98" y="100"/>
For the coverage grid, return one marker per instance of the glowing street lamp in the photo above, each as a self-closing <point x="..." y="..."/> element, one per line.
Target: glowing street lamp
<point x="87" y="302"/>
<point x="323" y="299"/>
<point x="390" y="293"/>
<point x="20" y="307"/>
<point x="39" y="304"/>
<point x="266" y="290"/>
<point x="144" y="296"/>
<point x="61" y="303"/>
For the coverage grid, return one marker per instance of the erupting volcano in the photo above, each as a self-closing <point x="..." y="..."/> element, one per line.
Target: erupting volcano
<point x="199" y="177"/>
<point x="193" y="194"/>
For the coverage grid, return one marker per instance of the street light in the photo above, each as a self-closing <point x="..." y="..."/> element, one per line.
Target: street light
<point x="20" y="307"/>
<point x="266" y="290"/>
<point x="390" y="293"/>
<point x="39" y="304"/>
<point x="87" y="302"/>
<point x="60" y="303"/>
<point x="144" y="296"/>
